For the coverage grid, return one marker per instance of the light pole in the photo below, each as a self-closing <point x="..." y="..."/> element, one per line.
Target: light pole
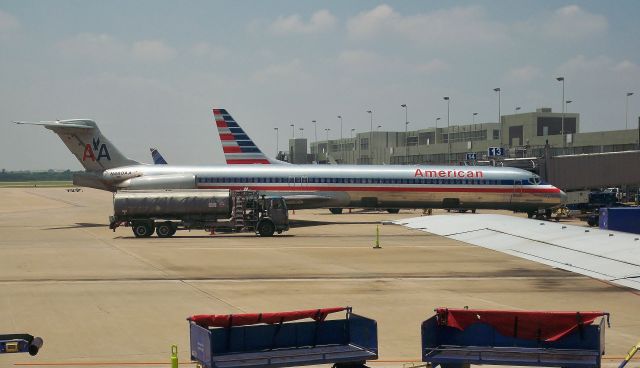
<point x="293" y="131"/>
<point x="378" y="128"/>
<point x="406" y="136"/>
<point x="370" y="112"/>
<point x="448" y="131"/>
<point x="301" y="132"/>
<point x="436" y="133"/>
<point x="473" y="116"/>
<point x="352" y="130"/>
<point x="499" y="117"/>
<point x="315" y="137"/>
<point x="406" y="142"/>
<point x="626" y="111"/>
<point x="518" y="108"/>
<point x="561" y="79"/>
<point x="327" y="131"/>
<point x="277" y="145"/>
<point x="567" y="102"/>
<point x="340" y="117"/>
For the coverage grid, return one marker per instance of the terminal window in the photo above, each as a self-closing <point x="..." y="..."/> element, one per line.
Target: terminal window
<point x="553" y="125"/>
<point x="364" y="143"/>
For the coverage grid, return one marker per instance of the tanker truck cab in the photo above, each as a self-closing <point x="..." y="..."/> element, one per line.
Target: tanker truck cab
<point x="275" y="216"/>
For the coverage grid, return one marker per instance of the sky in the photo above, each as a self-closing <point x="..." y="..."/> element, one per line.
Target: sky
<point x="149" y="72"/>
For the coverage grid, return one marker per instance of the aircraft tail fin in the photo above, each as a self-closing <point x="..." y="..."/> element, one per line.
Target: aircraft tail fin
<point x="84" y="139"/>
<point x="237" y="146"/>
<point x="157" y="157"/>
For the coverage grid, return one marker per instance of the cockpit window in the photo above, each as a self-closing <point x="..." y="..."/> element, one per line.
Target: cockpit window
<point x="535" y="180"/>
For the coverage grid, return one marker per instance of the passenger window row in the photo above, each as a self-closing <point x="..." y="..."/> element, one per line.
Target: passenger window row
<point x="305" y="180"/>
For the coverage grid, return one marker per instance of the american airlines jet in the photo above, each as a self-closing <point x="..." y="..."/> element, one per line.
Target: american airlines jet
<point x="310" y="186"/>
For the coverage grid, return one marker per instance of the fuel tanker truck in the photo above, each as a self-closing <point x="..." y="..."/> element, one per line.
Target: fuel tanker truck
<point x="167" y="211"/>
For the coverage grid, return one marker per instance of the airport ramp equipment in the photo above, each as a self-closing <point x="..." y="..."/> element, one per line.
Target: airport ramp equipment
<point x="460" y="337"/>
<point x="271" y="340"/>
<point x="20" y="343"/>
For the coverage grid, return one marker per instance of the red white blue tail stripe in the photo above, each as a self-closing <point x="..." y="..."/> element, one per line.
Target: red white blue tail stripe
<point x="237" y="146"/>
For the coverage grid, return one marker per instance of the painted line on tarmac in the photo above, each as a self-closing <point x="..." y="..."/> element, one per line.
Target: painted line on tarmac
<point x="289" y="279"/>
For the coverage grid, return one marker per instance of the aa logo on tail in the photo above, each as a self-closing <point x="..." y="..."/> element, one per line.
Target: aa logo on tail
<point x="100" y="149"/>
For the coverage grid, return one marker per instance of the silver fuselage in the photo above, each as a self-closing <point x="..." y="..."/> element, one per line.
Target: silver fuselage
<point x="373" y="186"/>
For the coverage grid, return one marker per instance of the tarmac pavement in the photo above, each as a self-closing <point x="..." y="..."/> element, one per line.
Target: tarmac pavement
<point x="98" y="296"/>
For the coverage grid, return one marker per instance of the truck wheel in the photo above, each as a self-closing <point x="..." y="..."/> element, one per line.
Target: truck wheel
<point x="393" y="210"/>
<point x="336" y="211"/>
<point x="266" y="228"/>
<point x="165" y="229"/>
<point x="142" y="229"/>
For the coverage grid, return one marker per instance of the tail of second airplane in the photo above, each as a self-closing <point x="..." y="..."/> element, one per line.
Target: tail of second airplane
<point x="237" y="146"/>
<point x="83" y="138"/>
<point x="157" y="157"/>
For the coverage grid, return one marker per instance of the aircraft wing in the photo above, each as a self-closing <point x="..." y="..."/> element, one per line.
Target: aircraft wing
<point x="296" y="200"/>
<point x="601" y="254"/>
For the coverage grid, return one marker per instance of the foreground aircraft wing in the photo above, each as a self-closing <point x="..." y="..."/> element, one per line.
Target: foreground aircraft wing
<point x="601" y="254"/>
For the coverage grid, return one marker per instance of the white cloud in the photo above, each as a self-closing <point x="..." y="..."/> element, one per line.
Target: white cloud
<point x="206" y="50"/>
<point x="8" y="22"/>
<point x="572" y="22"/>
<point x="444" y="27"/>
<point x="281" y="73"/>
<point x="433" y="66"/>
<point x="523" y="74"/>
<point x="359" y="59"/>
<point x="580" y="64"/>
<point x="152" y="51"/>
<point x="320" y="21"/>
<point x="626" y="66"/>
<point x="95" y="47"/>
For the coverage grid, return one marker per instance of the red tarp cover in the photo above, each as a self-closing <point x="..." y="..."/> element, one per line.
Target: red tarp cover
<point x="546" y="326"/>
<point x="228" y="320"/>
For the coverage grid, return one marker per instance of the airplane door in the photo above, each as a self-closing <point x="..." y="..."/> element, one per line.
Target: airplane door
<point x="517" y="191"/>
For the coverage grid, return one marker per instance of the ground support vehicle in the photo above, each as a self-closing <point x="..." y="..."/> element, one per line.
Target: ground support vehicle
<point x="270" y="340"/>
<point x="589" y="211"/>
<point x="20" y="343"/>
<point x="625" y="219"/>
<point x="462" y="337"/>
<point x="166" y="212"/>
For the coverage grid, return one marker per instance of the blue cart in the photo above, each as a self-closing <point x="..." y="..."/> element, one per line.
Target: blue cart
<point x="483" y="343"/>
<point x="20" y="343"/>
<point x="345" y="342"/>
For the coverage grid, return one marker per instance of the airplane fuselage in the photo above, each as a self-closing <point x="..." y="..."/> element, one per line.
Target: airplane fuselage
<point x="372" y="186"/>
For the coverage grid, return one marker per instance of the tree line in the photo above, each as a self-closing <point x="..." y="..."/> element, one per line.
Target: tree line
<point x="49" y="175"/>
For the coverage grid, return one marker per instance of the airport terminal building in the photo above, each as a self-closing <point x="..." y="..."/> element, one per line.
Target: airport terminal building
<point x="533" y="141"/>
<point x="523" y="135"/>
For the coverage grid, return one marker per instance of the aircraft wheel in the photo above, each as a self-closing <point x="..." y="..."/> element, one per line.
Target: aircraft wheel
<point x="266" y="228"/>
<point x="530" y="214"/>
<point x="142" y="229"/>
<point x="393" y="210"/>
<point x="336" y="211"/>
<point x="165" y="230"/>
